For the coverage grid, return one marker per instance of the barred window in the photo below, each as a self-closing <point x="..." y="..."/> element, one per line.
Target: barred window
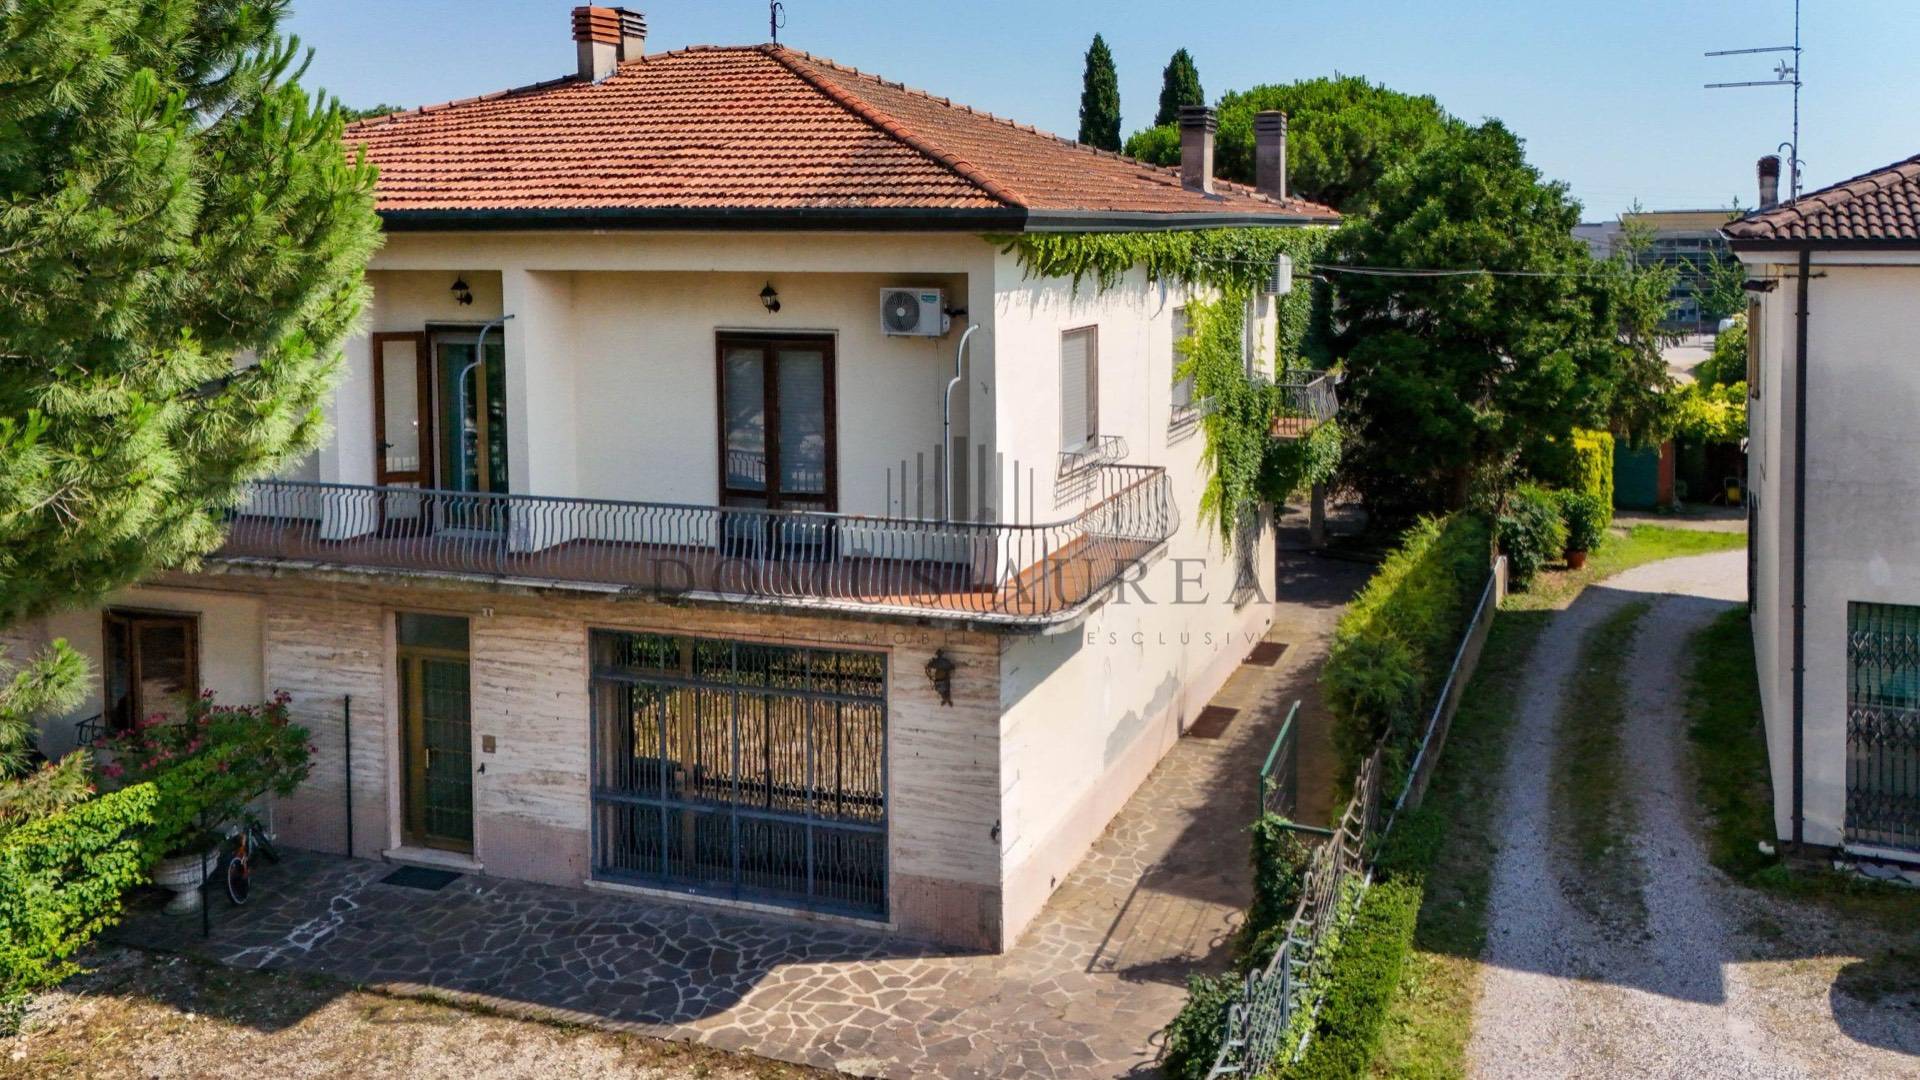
<point x="1883" y="725"/>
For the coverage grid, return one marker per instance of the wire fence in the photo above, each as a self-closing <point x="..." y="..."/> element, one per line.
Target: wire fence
<point x="1272" y="1020"/>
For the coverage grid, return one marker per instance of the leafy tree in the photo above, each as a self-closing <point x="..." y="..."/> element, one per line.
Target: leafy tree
<point x="1343" y="134"/>
<point x="1451" y="374"/>
<point x="1100" y="98"/>
<point x="182" y="249"/>
<point x="53" y="683"/>
<point x="1727" y="364"/>
<point x="350" y="114"/>
<point x="1179" y="85"/>
<point x="1720" y="286"/>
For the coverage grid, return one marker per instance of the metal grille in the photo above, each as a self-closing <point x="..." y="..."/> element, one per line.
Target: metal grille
<point x="740" y="769"/>
<point x="1883" y="725"/>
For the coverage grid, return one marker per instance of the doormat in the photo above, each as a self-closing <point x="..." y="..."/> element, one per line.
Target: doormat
<point x="420" y="877"/>
<point x="1212" y="722"/>
<point x="1267" y="653"/>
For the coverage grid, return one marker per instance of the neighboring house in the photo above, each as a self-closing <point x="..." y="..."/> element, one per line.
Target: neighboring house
<point x="1835" y="382"/>
<point x="1689" y="241"/>
<point x="657" y="584"/>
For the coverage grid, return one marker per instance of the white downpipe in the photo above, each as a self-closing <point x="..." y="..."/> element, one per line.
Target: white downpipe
<point x="946" y="424"/>
<point x="460" y="390"/>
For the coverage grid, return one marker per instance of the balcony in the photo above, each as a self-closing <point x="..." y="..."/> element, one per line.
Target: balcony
<point x="1307" y="400"/>
<point x="1013" y="574"/>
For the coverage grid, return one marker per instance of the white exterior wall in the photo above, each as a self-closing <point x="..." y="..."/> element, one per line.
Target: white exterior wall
<point x="1863" y="501"/>
<point x="1087" y="713"/>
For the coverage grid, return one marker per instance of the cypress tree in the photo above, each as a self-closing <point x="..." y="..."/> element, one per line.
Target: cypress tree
<point x="1179" y="85"/>
<point x="182" y="251"/>
<point x="1100" y="99"/>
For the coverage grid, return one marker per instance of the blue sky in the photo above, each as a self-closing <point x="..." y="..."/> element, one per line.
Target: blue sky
<point x="1607" y="93"/>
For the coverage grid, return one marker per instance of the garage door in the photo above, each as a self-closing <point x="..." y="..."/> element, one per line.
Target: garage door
<point x="740" y="769"/>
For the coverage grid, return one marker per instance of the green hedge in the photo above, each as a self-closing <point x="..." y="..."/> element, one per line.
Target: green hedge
<point x="1531" y="532"/>
<point x="1593" y="466"/>
<point x="1360" y="984"/>
<point x="1392" y="648"/>
<point x="61" y="882"/>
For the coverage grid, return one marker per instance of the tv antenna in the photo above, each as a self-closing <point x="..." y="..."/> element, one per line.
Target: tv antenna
<point x="777" y="18"/>
<point x="1785" y="73"/>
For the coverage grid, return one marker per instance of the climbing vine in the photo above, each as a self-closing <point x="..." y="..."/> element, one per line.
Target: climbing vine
<point x="1245" y="464"/>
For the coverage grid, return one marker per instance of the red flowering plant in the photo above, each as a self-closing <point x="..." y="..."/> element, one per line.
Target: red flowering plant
<point x="208" y="766"/>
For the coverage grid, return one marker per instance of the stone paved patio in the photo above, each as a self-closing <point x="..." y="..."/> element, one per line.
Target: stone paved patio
<point x="1085" y="991"/>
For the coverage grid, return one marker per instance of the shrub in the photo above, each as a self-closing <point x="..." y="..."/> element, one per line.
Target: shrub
<point x="1279" y="875"/>
<point x="1360" y="984"/>
<point x="1728" y="362"/>
<point x="1195" y="1035"/>
<point x="209" y="765"/>
<point x="61" y="880"/>
<point x="1593" y="468"/>
<point x="1531" y="532"/>
<point x="1394" y="643"/>
<point x="1586" y="520"/>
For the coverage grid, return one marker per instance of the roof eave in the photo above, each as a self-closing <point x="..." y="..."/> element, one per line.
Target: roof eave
<point x="1799" y="244"/>
<point x="1158" y="221"/>
<point x="902" y="219"/>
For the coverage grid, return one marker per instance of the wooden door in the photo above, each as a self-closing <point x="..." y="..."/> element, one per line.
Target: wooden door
<point x="152" y="665"/>
<point x="402" y="411"/>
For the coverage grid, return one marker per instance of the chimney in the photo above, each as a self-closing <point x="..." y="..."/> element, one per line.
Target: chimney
<point x="1769" y="181"/>
<point x="1270" y="154"/>
<point x="605" y="36"/>
<point x="1197" y="125"/>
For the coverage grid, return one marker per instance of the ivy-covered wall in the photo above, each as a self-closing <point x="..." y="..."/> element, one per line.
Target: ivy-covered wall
<point x="1245" y="465"/>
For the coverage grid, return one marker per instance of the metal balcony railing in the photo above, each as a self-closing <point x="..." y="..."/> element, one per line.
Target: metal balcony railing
<point x="990" y="572"/>
<point x="1307" y="400"/>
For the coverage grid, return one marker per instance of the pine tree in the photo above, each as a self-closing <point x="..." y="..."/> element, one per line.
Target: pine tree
<point x="182" y="250"/>
<point x="1179" y="85"/>
<point x="1100" y="99"/>
<point x="53" y="683"/>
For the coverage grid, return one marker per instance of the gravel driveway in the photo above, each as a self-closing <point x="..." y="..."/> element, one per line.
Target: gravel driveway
<point x="1696" y="992"/>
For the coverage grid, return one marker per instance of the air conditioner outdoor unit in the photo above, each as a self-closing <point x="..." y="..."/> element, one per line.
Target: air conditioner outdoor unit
<point x="909" y="312"/>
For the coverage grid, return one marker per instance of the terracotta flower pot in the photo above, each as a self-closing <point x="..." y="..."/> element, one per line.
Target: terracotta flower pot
<point x="1576" y="559"/>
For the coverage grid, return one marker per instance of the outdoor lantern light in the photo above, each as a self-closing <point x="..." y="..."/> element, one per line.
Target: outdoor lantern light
<point x="770" y="299"/>
<point x="461" y="294"/>
<point x="940" y="674"/>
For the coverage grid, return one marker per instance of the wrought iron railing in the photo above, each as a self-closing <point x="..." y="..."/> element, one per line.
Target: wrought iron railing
<point x="1280" y="773"/>
<point x="1307" y="399"/>
<point x="1020" y="573"/>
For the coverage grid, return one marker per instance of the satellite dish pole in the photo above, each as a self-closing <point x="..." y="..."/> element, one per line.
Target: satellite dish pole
<point x="776" y="18"/>
<point x="1785" y="73"/>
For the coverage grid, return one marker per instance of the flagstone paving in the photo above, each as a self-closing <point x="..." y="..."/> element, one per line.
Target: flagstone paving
<point x="1084" y="992"/>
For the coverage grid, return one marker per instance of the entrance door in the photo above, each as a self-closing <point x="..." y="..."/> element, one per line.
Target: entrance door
<point x="152" y="665"/>
<point x="436" y="731"/>
<point x="472" y="431"/>
<point x="402" y="426"/>
<point x="777" y="447"/>
<point x="740" y="769"/>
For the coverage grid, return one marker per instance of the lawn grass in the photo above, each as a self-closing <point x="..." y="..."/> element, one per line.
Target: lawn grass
<point x="1449" y="838"/>
<point x="1589" y="790"/>
<point x="1733" y="787"/>
<point x="1624" y="550"/>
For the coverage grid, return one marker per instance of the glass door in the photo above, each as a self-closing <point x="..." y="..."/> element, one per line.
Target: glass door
<point x="777" y="442"/>
<point x="403" y="426"/>
<point x="436" y="730"/>
<point x="471" y="397"/>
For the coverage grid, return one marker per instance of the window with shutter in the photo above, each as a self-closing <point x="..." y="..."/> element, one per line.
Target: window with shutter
<point x="1079" y="388"/>
<point x="1182" y="387"/>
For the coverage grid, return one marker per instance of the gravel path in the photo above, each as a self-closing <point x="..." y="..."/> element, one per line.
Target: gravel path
<point x="1564" y="996"/>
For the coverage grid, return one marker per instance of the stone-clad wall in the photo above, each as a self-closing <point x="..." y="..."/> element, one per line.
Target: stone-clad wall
<point x="326" y="639"/>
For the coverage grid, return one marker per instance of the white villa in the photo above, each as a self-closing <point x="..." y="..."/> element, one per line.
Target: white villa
<point x="1835" y="382"/>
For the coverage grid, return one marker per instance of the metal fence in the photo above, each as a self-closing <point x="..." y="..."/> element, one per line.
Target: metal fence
<point x="997" y="572"/>
<point x="1273" y="998"/>
<point x="1310" y="394"/>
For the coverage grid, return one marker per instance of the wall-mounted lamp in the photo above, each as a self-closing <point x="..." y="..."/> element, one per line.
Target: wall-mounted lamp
<point x="461" y="294"/>
<point x="770" y="299"/>
<point x="940" y="674"/>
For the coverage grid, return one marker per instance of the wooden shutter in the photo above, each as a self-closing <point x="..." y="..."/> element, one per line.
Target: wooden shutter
<point x="1079" y="387"/>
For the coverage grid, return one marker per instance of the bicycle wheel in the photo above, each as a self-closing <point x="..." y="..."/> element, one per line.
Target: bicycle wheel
<point x="239" y="876"/>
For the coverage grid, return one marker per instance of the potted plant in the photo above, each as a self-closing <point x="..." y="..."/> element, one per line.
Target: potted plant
<point x="1586" y="516"/>
<point x="207" y="766"/>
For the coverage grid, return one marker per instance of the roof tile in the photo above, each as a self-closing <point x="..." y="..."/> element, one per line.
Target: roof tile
<point x="755" y="127"/>
<point x="1883" y="205"/>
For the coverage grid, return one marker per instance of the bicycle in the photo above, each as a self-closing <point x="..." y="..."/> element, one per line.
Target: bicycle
<point x="251" y="840"/>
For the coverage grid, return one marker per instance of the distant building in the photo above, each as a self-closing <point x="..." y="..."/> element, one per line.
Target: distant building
<point x="1685" y="239"/>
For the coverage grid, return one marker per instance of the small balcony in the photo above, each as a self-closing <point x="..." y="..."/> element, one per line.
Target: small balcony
<point x="1307" y="400"/>
<point x="1014" y="574"/>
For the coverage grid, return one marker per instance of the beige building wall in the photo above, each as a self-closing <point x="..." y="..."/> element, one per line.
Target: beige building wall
<point x="1863" y="457"/>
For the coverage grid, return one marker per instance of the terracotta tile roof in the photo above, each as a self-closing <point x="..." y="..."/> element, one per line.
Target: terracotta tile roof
<point x="757" y="128"/>
<point x="1880" y="206"/>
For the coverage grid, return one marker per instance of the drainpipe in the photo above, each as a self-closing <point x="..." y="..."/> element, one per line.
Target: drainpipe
<point x="946" y="424"/>
<point x="1800" y="550"/>
<point x="460" y="392"/>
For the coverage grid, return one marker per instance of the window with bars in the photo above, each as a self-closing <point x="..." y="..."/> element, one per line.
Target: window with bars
<point x="1883" y="725"/>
